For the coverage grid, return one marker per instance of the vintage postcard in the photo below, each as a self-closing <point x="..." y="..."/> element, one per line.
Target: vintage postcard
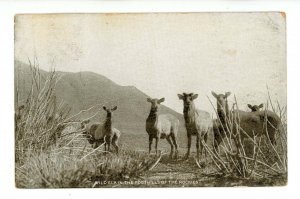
<point x="150" y="100"/>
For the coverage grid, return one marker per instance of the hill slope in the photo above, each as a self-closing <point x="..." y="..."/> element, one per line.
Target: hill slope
<point x="85" y="89"/>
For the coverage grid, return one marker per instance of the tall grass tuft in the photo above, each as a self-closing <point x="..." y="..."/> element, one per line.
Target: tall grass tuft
<point x="51" y="150"/>
<point x="40" y="119"/>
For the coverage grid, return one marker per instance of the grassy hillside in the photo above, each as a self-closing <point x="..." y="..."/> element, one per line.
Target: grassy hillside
<point x="83" y="90"/>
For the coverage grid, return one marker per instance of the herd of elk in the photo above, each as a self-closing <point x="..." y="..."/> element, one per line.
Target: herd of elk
<point x="198" y="123"/>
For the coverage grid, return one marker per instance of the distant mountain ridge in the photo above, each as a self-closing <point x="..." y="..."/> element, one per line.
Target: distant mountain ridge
<point x="82" y="90"/>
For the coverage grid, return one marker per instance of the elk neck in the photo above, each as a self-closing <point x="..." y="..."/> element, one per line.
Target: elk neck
<point x="153" y="115"/>
<point x="108" y="122"/>
<point x="223" y="111"/>
<point x="226" y="107"/>
<point x="189" y="113"/>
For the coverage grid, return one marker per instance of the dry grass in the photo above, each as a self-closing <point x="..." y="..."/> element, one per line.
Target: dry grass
<point x="253" y="157"/>
<point x="40" y="120"/>
<point x="51" y="150"/>
<point x="65" y="168"/>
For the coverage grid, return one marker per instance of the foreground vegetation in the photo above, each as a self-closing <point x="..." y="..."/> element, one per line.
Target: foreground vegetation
<point x="68" y="167"/>
<point x="52" y="152"/>
<point x="252" y="156"/>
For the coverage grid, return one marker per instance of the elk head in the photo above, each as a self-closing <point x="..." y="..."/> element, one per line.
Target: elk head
<point x="255" y="108"/>
<point x="187" y="98"/>
<point x="155" y="103"/>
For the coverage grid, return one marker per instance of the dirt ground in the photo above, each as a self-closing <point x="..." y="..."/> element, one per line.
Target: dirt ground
<point x="185" y="173"/>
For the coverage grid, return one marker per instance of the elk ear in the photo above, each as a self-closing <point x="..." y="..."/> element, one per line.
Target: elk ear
<point x="104" y="108"/>
<point x="180" y="96"/>
<point x="161" y="100"/>
<point x="250" y="106"/>
<point x="115" y="108"/>
<point x="149" y="100"/>
<point x="227" y="94"/>
<point x="214" y="94"/>
<point x="261" y="105"/>
<point x="194" y="96"/>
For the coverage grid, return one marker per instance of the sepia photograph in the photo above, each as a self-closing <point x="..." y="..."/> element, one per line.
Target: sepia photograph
<point x="150" y="100"/>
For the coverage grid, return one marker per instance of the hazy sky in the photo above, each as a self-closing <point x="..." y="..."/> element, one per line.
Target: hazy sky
<point x="165" y="54"/>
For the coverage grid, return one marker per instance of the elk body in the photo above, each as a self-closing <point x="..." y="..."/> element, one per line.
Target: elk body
<point x="161" y="126"/>
<point x="250" y="124"/>
<point x="197" y="122"/>
<point x="98" y="133"/>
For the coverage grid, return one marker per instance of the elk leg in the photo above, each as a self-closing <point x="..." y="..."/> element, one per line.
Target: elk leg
<point x="115" y="144"/>
<point x="156" y="145"/>
<point x="94" y="145"/>
<point x="150" y="143"/>
<point x="107" y="142"/>
<point x="189" y="146"/>
<point x="97" y="144"/>
<point x="170" y="142"/>
<point x="205" y="141"/>
<point x="197" y="146"/>
<point x="217" y="141"/>
<point x="272" y="137"/>
<point x="175" y="144"/>
<point x="108" y="146"/>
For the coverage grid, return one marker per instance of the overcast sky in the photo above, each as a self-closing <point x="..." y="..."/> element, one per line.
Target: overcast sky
<point x="165" y="54"/>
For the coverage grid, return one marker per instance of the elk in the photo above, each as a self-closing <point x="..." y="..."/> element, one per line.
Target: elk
<point x="250" y="124"/>
<point x="161" y="126"/>
<point x="98" y="133"/>
<point x="255" y="108"/>
<point x="197" y="122"/>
